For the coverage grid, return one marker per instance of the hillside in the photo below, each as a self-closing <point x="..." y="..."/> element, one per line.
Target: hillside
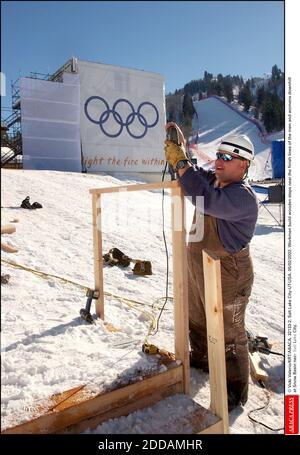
<point x="216" y="119"/>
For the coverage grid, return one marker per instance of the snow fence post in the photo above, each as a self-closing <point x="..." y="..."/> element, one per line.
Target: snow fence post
<point x="98" y="262"/>
<point x="215" y="337"/>
<point x="180" y="284"/>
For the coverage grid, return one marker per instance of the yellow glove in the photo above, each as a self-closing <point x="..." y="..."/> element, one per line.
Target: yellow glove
<point x="174" y="153"/>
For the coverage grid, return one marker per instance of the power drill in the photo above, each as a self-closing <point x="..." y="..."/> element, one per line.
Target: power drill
<point x="172" y="135"/>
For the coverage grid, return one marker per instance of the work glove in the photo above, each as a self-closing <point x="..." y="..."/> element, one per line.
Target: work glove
<point x="174" y="153"/>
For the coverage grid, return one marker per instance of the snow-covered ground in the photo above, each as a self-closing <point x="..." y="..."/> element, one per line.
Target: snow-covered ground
<point x="47" y="348"/>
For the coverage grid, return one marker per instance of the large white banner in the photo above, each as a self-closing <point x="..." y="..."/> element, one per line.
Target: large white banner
<point x="51" y="124"/>
<point x="122" y="119"/>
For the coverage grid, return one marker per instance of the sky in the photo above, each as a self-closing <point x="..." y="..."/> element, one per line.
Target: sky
<point x="178" y="39"/>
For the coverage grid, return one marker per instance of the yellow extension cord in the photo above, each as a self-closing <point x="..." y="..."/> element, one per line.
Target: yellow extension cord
<point x="130" y="302"/>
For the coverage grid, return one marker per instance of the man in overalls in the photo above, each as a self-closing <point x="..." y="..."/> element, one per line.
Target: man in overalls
<point x="230" y="215"/>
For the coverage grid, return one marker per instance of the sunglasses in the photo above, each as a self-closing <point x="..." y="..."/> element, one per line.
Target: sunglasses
<point x="227" y="157"/>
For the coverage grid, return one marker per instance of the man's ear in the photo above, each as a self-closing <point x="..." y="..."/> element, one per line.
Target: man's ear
<point x="246" y="166"/>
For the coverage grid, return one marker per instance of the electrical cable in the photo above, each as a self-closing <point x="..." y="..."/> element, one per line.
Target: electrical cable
<point x="126" y="300"/>
<point x="130" y="302"/>
<point x="268" y="395"/>
<point x="150" y="333"/>
<point x="268" y="351"/>
<point x="154" y="323"/>
<point x="122" y="299"/>
<point x="264" y="350"/>
<point x="65" y="280"/>
<point x="166" y="297"/>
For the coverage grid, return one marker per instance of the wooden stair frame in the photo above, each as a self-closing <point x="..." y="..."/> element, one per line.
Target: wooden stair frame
<point x="75" y="410"/>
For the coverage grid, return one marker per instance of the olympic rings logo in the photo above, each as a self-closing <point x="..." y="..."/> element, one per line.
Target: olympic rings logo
<point x="129" y="120"/>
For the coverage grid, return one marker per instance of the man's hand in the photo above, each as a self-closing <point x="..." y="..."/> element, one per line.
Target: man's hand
<point x="180" y="134"/>
<point x="174" y="153"/>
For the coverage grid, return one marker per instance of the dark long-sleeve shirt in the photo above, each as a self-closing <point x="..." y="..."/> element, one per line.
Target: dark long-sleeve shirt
<point x="235" y="206"/>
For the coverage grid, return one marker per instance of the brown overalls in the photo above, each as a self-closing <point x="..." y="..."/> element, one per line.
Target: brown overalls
<point x="237" y="280"/>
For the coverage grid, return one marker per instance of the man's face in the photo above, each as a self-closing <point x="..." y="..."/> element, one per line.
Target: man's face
<point x="229" y="171"/>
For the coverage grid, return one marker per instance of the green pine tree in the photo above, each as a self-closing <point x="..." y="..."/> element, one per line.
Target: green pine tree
<point x="245" y="96"/>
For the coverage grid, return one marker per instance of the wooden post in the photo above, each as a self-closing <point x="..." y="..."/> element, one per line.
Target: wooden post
<point x="255" y="368"/>
<point x="215" y="337"/>
<point x="8" y="229"/>
<point x="181" y="325"/>
<point x="8" y="248"/>
<point x="98" y="262"/>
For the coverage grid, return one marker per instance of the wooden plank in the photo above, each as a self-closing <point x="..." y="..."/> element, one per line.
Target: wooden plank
<point x="193" y="422"/>
<point x="98" y="261"/>
<point x="216" y="428"/>
<point x="84" y="404"/>
<point x="8" y="248"/>
<point x="138" y="187"/>
<point x="215" y="337"/>
<point x="60" y="398"/>
<point x="256" y="370"/>
<point x="8" y="229"/>
<point x="181" y="327"/>
<point x="140" y="403"/>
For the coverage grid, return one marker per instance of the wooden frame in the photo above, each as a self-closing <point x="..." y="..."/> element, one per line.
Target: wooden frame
<point x="179" y="263"/>
<point x="75" y="410"/>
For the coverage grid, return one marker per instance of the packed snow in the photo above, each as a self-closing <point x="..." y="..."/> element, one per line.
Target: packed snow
<point x="47" y="348"/>
<point x="216" y="119"/>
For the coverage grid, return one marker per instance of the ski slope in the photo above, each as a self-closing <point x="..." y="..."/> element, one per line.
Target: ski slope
<point x="215" y="120"/>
